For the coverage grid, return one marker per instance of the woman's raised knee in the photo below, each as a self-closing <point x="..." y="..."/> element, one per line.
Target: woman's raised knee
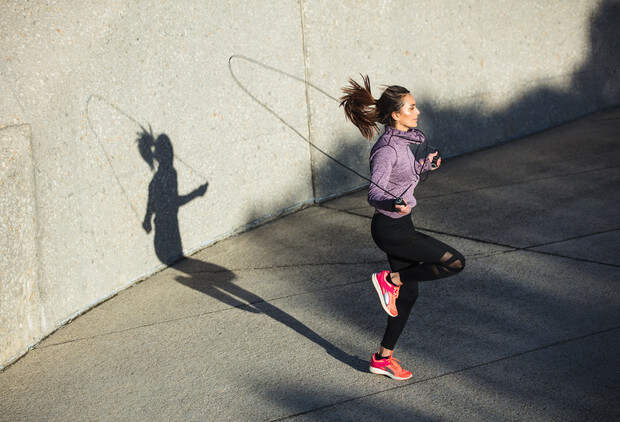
<point x="453" y="262"/>
<point x="459" y="263"/>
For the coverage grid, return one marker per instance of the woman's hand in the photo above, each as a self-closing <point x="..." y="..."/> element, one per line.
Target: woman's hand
<point x="146" y="225"/>
<point x="403" y="209"/>
<point x="430" y="158"/>
<point x="202" y="189"/>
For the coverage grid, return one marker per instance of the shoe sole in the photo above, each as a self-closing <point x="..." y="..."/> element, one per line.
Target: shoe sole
<point x="387" y="373"/>
<point x="375" y="283"/>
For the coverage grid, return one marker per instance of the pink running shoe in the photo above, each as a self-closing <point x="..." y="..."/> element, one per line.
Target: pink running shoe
<point x="390" y="367"/>
<point x="387" y="292"/>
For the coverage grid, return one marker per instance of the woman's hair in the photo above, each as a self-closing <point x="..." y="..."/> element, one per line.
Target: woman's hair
<point x="364" y="111"/>
<point x="150" y="148"/>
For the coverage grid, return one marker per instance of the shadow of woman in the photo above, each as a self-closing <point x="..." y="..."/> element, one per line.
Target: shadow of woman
<point x="164" y="200"/>
<point x="216" y="281"/>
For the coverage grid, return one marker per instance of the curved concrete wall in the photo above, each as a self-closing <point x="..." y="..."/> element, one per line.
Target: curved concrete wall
<point x="232" y="93"/>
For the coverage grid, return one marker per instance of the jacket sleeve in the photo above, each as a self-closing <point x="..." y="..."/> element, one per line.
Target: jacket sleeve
<point x="381" y="164"/>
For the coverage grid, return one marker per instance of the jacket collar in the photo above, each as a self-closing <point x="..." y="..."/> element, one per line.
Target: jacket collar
<point x="412" y="136"/>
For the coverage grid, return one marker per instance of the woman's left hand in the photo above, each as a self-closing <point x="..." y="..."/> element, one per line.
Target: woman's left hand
<point x="430" y="158"/>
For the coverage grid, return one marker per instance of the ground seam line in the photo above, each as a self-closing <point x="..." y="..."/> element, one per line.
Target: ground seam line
<point x="512" y="248"/>
<point x="454" y="372"/>
<point x="240" y="306"/>
<point x="572" y="258"/>
<point x="573" y="238"/>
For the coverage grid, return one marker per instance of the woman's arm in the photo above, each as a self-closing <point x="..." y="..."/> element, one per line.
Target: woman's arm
<point x="381" y="164"/>
<point x="146" y="224"/>
<point x="199" y="191"/>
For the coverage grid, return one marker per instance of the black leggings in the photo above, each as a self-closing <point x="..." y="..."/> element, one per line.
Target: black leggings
<point x="416" y="257"/>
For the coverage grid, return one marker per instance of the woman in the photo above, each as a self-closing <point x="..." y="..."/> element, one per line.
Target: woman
<point x="395" y="172"/>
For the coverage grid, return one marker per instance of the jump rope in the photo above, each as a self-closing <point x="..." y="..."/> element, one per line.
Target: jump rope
<point x="398" y="200"/>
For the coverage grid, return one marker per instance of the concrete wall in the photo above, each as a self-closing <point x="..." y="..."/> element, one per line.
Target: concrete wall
<point x="20" y="304"/>
<point x="223" y="85"/>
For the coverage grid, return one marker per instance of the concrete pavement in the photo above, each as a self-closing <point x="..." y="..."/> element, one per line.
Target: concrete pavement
<point x="279" y="323"/>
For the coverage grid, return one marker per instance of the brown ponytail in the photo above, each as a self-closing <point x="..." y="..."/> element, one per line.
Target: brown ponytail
<point x="364" y="111"/>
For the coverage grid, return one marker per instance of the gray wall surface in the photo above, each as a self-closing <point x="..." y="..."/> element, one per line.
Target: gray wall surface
<point x="232" y="94"/>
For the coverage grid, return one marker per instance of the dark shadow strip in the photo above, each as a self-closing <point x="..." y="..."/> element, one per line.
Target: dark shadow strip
<point x="457" y="371"/>
<point x="510" y="247"/>
<point x="519" y="182"/>
<point x="434" y="231"/>
<point x="240" y="306"/>
<point x="278" y="267"/>
<point x="528" y="248"/>
<point x="319" y="264"/>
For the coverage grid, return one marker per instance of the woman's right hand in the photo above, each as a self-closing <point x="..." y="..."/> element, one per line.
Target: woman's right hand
<point x="403" y="209"/>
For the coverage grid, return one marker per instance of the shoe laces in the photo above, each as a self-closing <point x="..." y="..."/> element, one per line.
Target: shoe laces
<point x="395" y="362"/>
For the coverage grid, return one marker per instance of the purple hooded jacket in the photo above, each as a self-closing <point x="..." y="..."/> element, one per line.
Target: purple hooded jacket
<point x="394" y="168"/>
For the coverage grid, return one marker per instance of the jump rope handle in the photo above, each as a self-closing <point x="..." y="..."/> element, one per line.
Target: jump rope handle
<point x="399" y="200"/>
<point x="435" y="159"/>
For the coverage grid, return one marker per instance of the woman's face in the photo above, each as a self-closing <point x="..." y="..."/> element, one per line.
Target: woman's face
<point x="407" y="117"/>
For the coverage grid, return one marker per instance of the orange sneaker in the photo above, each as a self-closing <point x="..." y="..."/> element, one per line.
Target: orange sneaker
<point x="389" y="366"/>
<point x="387" y="292"/>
